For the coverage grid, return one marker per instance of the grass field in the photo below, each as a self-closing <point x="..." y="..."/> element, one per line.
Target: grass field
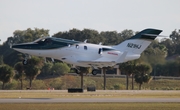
<point x="92" y="106"/>
<point x="69" y="81"/>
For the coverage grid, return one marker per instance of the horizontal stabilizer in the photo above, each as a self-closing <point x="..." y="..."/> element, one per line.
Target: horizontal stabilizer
<point x="148" y="34"/>
<point x="154" y="35"/>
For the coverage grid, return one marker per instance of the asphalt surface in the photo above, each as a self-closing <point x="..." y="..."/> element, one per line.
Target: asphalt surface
<point x="74" y="100"/>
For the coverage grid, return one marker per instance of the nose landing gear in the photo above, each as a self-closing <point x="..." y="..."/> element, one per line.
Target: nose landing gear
<point x="25" y="61"/>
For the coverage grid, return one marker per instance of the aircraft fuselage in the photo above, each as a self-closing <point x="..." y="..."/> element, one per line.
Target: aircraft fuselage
<point x="87" y="54"/>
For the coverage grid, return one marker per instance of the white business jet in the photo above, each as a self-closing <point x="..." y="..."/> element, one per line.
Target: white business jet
<point x="82" y="54"/>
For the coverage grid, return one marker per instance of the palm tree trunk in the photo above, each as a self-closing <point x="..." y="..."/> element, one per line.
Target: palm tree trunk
<point x="30" y="83"/>
<point x="81" y="80"/>
<point x="132" y="81"/>
<point x="140" y="86"/>
<point x="104" y="71"/>
<point x="21" y="84"/>
<point x="127" y="81"/>
<point x="3" y="86"/>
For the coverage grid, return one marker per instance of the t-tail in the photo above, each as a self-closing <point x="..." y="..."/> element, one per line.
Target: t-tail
<point x="135" y="45"/>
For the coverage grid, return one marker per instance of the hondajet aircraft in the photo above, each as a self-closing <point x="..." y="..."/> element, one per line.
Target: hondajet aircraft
<point x="82" y="54"/>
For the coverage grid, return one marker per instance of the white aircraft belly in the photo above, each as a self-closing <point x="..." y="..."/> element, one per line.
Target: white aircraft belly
<point x="52" y="53"/>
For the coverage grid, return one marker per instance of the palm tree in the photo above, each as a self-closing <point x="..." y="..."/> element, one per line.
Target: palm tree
<point x="1" y="60"/>
<point x="6" y="74"/>
<point x="82" y="71"/>
<point x="20" y="74"/>
<point x="32" y="69"/>
<point x="128" y="68"/>
<point x="143" y="74"/>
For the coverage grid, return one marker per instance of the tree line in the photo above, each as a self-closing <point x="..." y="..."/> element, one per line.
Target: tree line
<point x="160" y="58"/>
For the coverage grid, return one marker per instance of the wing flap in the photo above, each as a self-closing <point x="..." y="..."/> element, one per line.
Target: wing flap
<point x="96" y="62"/>
<point x="99" y="64"/>
<point x="104" y="62"/>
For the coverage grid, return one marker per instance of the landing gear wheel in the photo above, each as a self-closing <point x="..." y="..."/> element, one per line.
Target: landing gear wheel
<point x="25" y="62"/>
<point x="94" y="72"/>
<point x="77" y="71"/>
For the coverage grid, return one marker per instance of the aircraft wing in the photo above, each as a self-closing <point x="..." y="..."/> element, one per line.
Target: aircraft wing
<point x="99" y="64"/>
<point x="96" y="62"/>
<point x="104" y="62"/>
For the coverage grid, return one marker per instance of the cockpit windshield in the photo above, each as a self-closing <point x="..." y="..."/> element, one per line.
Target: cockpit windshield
<point x="43" y="40"/>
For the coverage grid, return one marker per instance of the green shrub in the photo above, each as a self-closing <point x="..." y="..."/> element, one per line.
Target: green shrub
<point x="14" y="85"/>
<point x="55" y="83"/>
<point x="39" y="84"/>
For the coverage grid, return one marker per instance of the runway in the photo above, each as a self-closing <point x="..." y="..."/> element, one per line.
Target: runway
<point x="87" y="100"/>
<point x="100" y="96"/>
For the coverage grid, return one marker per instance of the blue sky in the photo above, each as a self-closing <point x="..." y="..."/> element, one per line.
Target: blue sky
<point x="101" y="15"/>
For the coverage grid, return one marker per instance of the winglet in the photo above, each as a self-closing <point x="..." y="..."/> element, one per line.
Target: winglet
<point x="122" y="57"/>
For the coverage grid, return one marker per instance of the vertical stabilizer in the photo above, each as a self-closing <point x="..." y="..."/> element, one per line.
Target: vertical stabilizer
<point x="139" y="42"/>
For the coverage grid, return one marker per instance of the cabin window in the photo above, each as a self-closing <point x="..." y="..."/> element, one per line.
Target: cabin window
<point x="85" y="47"/>
<point x="100" y="51"/>
<point x="77" y="46"/>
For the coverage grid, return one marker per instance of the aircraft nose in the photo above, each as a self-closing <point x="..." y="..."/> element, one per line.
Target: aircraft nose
<point x="23" y="46"/>
<point x="15" y="46"/>
<point x="19" y="46"/>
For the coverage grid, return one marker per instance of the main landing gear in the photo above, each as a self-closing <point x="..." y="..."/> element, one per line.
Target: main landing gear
<point x="76" y="71"/>
<point x="94" y="72"/>
<point x="25" y="62"/>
